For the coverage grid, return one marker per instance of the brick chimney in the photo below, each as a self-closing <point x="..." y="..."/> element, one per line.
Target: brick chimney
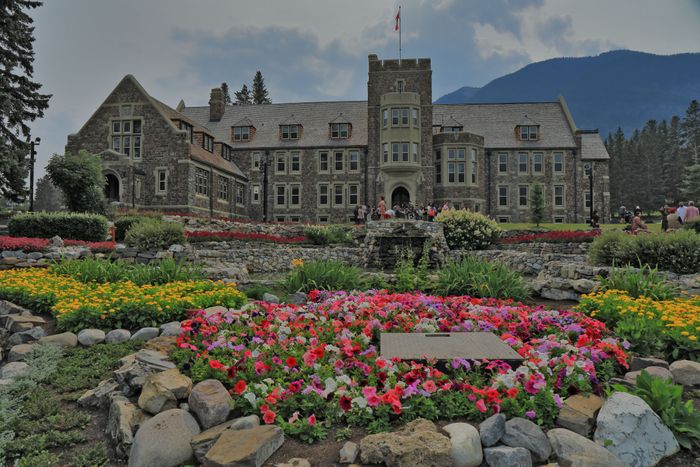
<point x="216" y="105"/>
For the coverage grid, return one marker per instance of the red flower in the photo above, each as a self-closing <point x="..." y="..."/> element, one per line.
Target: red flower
<point x="240" y="386"/>
<point x="291" y="362"/>
<point x="512" y="392"/>
<point x="269" y="417"/>
<point x="231" y="372"/>
<point x="345" y="403"/>
<point x="216" y="365"/>
<point x="481" y="406"/>
<point x="312" y="419"/>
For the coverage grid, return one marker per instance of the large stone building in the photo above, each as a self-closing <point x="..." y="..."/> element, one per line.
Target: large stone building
<point x="317" y="161"/>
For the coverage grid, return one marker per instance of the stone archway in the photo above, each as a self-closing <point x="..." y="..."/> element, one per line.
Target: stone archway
<point x="112" y="188"/>
<point x="400" y="196"/>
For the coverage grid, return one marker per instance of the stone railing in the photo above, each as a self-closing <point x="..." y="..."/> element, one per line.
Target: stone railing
<point x="573" y="248"/>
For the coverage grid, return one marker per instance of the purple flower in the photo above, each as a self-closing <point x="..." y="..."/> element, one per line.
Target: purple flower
<point x="558" y="401"/>
<point x="531" y="414"/>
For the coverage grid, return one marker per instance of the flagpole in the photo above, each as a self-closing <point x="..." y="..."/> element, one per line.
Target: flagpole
<point x="400" y="21"/>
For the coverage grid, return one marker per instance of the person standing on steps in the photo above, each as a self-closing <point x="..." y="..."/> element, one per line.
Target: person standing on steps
<point x="382" y="208"/>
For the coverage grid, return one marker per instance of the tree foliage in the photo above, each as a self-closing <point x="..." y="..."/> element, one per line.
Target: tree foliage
<point x="20" y="99"/>
<point x="226" y="93"/>
<point x="260" y="94"/>
<point x="243" y="97"/>
<point x="537" y="204"/>
<point x="79" y="177"/>
<point x="47" y="197"/>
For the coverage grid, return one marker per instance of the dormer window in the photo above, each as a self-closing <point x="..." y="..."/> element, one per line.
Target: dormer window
<point x="289" y="132"/>
<point x="451" y="129"/>
<point x="188" y="128"/>
<point x="340" y="130"/>
<point x="528" y="132"/>
<point x="208" y="143"/>
<point x="241" y="134"/>
<point x="226" y="152"/>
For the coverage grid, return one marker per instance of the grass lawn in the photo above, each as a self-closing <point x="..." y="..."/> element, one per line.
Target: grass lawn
<point x="656" y="228"/>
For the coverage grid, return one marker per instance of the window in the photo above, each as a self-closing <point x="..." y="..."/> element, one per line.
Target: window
<point x="415" y="152"/>
<point x="558" y="220"/>
<point x="438" y="167"/>
<point x="528" y="132"/>
<point x="385" y="118"/>
<point x="414" y="117"/>
<point x="295" y="195"/>
<point x="294" y="218"/>
<point x="323" y="162"/>
<point x="338" y="192"/>
<point x="226" y="151"/>
<point x="340" y="130"/>
<point x="523" y="195"/>
<point x="394" y="152"/>
<point x="587" y="199"/>
<point x="188" y="128"/>
<point x="255" y="191"/>
<point x="537" y="162"/>
<point x="404" y="152"/>
<point x="404" y="117"/>
<point x="240" y="194"/>
<point x="503" y="220"/>
<point x="126" y="137"/>
<point x="137" y="188"/>
<point x="323" y="219"/>
<point x="503" y="196"/>
<point x="289" y="131"/>
<point x="241" y="133"/>
<point x="201" y="179"/>
<point x="400" y="85"/>
<point x="522" y="162"/>
<point x="280" y="219"/>
<point x="472" y="160"/>
<point x="353" y="195"/>
<point x="450" y="129"/>
<point x="400" y="117"/>
<point x="558" y="196"/>
<point x="208" y="143"/>
<point x="280" y="195"/>
<point x="558" y="161"/>
<point x="456" y="162"/>
<point x="223" y="188"/>
<point x="323" y="194"/>
<point x="385" y="152"/>
<point x="395" y="117"/>
<point x="281" y="163"/>
<point x="502" y="162"/>
<point x="354" y="161"/>
<point x="295" y="162"/>
<point x="533" y="132"/>
<point x="161" y="181"/>
<point x="338" y="161"/>
<point x="256" y="161"/>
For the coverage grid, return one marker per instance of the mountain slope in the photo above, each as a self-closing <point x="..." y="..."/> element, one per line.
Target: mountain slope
<point x="619" y="88"/>
<point x="462" y="94"/>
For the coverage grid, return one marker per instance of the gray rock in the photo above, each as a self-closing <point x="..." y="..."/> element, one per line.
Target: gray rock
<point x="466" y="445"/>
<point x="35" y="255"/>
<point x="211" y="402"/>
<point x="270" y="298"/>
<point x="123" y="421"/>
<point x="155" y="360"/>
<point x="686" y="372"/>
<point x="164" y="440"/>
<point x="90" y="337"/>
<point x="418" y="443"/>
<point x="628" y="428"/>
<point x="19" y="352"/>
<point x="145" y="334"/>
<point x="491" y="429"/>
<point x="117" y="335"/>
<point x="171" y="329"/>
<point x="525" y="434"/>
<point x="206" y="439"/>
<point x="176" y="248"/>
<point x="56" y="241"/>
<point x="245" y="447"/>
<point x="245" y="423"/>
<point x="348" y="453"/>
<point x="296" y="298"/>
<point x="162" y="390"/>
<point x="13" y="370"/>
<point x="99" y="396"/>
<point x="65" y="339"/>
<point x="658" y="371"/>
<point x="131" y="376"/>
<point x="573" y="449"/>
<point x="22" y="322"/>
<point x="503" y="456"/>
<point x="639" y="363"/>
<point x="25" y="337"/>
<point x="579" y="413"/>
<point x="9" y="308"/>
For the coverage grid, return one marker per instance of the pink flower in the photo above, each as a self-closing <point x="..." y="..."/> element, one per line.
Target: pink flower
<point x="311" y="419"/>
<point x="429" y="386"/>
<point x="481" y="406"/>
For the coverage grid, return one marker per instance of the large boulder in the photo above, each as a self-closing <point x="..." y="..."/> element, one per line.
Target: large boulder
<point x="630" y="429"/>
<point x="25" y="337"/>
<point x="348" y="453"/>
<point x="162" y="390"/>
<point x="466" y="445"/>
<point x="65" y="339"/>
<point x="145" y="334"/>
<point x="658" y="371"/>
<point x="523" y="433"/>
<point x="491" y="429"/>
<point x="117" y="335"/>
<point x="686" y="372"/>
<point x="89" y="337"/>
<point x="504" y="456"/>
<point x="124" y="419"/>
<point x="417" y="444"/>
<point x="250" y="447"/>
<point x="639" y="363"/>
<point x="100" y="395"/>
<point x="574" y="450"/>
<point x="164" y="440"/>
<point x="19" y="352"/>
<point x="579" y="412"/>
<point x="211" y="402"/>
<point x="13" y="370"/>
<point x="206" y="439"/>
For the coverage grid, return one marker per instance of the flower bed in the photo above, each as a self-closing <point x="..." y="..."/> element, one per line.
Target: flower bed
<point x="78" y="305"/>
<point x="666" y="328"/>
<point x="23" y="243"/>
<point x="299" y="365"/>
<point x="553" y="237"/>
<point x="209" y="236"/>
<point x="95" y="247"/>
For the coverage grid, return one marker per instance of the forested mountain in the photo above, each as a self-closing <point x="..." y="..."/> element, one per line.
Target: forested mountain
<point x="615" y="89"/>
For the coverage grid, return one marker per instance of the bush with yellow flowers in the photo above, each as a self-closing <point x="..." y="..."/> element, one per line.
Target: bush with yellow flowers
<point x="123" y="304"/>
<point x="663" y="328"/>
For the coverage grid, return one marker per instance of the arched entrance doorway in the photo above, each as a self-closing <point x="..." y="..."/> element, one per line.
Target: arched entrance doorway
<point x="111" y="187"/>
<point x="400" y="196"/>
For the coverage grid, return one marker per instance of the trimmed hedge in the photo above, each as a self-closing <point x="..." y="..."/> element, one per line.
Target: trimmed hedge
<point x="123" y="224"/>
<point x="678" y="252"/>
<point x="154" y="234"/>
<point x="76" y="226"/>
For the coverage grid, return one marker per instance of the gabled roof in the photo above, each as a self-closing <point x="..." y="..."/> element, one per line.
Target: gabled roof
<point x="451" y="123"/>
<point x="313" y="116"/>
<point x="497" y="122"/>
<point x="592" y="147"/>
<point x="245" y="121"/>
<point x="340" y="119"/>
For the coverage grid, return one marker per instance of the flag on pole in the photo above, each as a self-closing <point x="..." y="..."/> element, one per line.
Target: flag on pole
<point x="398" y="20"/>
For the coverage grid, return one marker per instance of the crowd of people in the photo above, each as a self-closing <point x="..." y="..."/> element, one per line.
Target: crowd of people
<point x="423" y="212"/>
<point x="672" y="217"/>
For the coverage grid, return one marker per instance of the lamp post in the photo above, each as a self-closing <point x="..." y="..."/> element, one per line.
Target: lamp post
<point x="32" y="160"/>
<point x="589" y="172"/>
<point x="264" y="161"/>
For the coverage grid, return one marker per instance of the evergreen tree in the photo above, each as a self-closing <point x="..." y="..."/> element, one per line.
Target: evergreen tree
<point x="225" y="91"/>
<point x="47" y="196"/>
<point x="79" y="177"/>
<point x="690" y="130"/>
<point x="21" y="101"/>
<point x="673" y="165"/>
<point x="537" y="204"/>
<point x="243" y="97"/>
<point x="690" y="186"/>
<point x="260" y="94"/>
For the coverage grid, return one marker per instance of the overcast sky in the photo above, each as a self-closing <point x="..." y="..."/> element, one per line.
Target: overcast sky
<point x="317" y="50"/>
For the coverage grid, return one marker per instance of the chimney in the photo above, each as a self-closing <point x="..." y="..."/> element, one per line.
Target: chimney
<point x="216" y="105"/>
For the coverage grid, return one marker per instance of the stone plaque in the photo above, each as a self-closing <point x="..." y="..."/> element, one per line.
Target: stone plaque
<point x="446" y="346"/>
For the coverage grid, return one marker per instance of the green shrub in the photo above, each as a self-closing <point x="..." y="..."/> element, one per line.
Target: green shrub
<point x="256" y="291"/>
<point x="154" y="234"/>
<point x="328" y="234"/>
<point x="104" y="270"/>
<point x="123" y="224"/>
<point x="676" y="251"/>
<point x="466" y="230"/>
<point x="410" y="277"/>
<point x="643" y="282"/>
<point x="75" y="226"/>
<point x="481" y="279"/>
<point x="324" y="275"/>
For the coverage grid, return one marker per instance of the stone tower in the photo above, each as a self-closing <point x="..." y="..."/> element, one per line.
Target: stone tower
<point x="399" y="130"/>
